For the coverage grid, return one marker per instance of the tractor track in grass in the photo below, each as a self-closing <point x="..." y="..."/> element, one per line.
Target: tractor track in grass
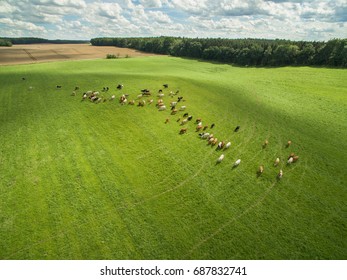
<point x="30" y="55"/>
<point x="133" y="205"/>
<point x="247" y="210"/>
<point x="60" y="55"/>
<point x="237" y="217"/>
<point x="205" y="161"/>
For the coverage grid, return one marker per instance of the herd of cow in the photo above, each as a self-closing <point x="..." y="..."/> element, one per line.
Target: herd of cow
<point x="175" y="107"/>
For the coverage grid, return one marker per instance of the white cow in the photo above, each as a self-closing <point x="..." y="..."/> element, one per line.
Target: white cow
<point x="220" y="158"/>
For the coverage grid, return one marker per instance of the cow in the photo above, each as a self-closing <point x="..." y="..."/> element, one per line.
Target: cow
<point x="120" y="86"/>
<point x="198" y="120"/>
<point x="280" y="174"/>
<point x="183" y="122"/>
<point x="212" y="125"/>
<point x="219" y="160"/>
<point x="122" y="98"/>
<point x="183" y="130"/>
<point x="291" y="155"/>
<point x="288" y="144"/>
<point x="214" y="142"/>
<point x="260" y="169"/>
<point x="227" y="145"/>
<point x="58" y="86"/>
<point x="266" y="142"/>
<point x="237" y="128"/>
<point x="141" y="103"/>
<point x="145" y="90"/>
<point x="204" y="135"/>
<point x="165" y="85"/>
<point x="237" y="162"/>
<point x="277" y="161"/>
<point x="198" y="127"/>
<point x="221" y="145"/>
<point x="93" y="98"/>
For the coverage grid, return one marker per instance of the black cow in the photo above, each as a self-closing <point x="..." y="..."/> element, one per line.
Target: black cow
<point x="119" y="86"/>
<point x="237" y="129"/>
<point x="165" y="85"/>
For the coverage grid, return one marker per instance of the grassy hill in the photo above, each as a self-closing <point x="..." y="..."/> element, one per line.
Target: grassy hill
<point x="103" y="181"/>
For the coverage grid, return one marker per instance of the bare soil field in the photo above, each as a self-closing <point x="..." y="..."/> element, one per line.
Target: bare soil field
<point x="36" y="53"/>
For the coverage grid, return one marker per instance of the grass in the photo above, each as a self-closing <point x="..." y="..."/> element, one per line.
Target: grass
<point x="103" y="181"/>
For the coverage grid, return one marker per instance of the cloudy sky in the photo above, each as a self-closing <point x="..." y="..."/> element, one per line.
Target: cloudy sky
<point x="84" y="19"/>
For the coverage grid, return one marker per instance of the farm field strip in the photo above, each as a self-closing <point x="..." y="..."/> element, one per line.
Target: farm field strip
<point x="38" y="53"/>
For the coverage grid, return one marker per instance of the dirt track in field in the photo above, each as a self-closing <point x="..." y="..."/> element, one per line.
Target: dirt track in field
<point x="36" y="53"/>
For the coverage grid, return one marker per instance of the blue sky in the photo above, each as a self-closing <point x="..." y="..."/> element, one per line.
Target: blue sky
<point x="84" y="19"/>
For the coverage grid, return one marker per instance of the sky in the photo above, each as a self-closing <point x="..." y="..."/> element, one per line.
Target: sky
<point x="309" y="20"/>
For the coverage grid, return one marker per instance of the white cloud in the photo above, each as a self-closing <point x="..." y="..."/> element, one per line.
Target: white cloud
<point x="159" y="17"/>
<point x="84" y="19"/>
<point x="6" y="8"/>
<point x="151" y="3"/>
<point x="25" y="26"/>
<point x="191" y="6"/>
<point x="61" y="3"/>
<point x="108" y="10"/>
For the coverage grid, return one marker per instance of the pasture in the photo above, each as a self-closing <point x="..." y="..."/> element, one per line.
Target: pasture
<point x="80" y="180"/>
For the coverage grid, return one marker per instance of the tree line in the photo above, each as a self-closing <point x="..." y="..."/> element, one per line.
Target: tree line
<point x="33" y="40"/>
<point x="5" y="43"/>
<point x="244" y="52"/>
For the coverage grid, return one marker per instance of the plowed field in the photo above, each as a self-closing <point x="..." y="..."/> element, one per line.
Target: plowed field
<point x="24" y="54"/>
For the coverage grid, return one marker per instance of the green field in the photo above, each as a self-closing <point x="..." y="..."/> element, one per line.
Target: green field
<point x="80" y="180"/>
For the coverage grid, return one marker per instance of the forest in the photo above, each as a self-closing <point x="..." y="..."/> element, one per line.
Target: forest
<point x="243" y="52"/>
<point x="33" y="40"/>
